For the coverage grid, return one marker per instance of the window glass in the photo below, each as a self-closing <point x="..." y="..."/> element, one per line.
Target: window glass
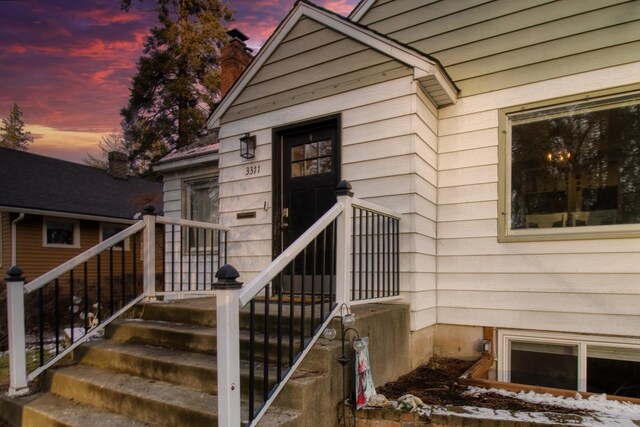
<point x="201" y="205"/>
<point x="59" y="232"/>
<point x="544" y="364"/>
<point x="311" y="158"/>
<point x="575" y="165"/>
<point x="613" y="370"/>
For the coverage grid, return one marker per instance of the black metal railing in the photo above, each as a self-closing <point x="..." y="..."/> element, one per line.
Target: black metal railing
<point x="284" y="318"/>
<point x="375" y="254"/>
<point x="191" y="256"/>
<point x="65" y="307"/>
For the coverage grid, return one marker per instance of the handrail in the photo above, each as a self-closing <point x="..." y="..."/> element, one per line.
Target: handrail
<point x="375" y="208"/>
<point x="82" y="258"/>
<point x="190" y="223"/>
<point x="268" y="274"/>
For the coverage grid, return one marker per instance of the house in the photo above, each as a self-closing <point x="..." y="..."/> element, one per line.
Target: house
<point x="52" y="210"/>
<point x="506" y="133"/>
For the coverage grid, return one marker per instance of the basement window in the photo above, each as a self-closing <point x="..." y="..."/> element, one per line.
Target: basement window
<point x="572" y="168"/>
<point x="573" y="362"/>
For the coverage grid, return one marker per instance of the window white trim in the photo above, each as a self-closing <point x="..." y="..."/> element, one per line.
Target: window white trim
<point x="121" y="227"/>
<point x="506" y="336"/>
<point x="543" y="110"/>
<point x="76" y="233"/>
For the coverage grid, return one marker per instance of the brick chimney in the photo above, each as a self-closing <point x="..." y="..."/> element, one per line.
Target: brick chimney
<point x="118" y="165"/>
<point x="234" y="58"/>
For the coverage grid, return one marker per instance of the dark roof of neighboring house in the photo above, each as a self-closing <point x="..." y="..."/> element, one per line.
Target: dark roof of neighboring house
<point x="31" y="181"/>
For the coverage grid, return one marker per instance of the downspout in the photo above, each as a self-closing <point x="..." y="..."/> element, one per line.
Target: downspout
<point x="14" y="239"/>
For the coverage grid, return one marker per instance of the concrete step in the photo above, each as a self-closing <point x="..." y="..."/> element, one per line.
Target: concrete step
<point x="146" y="400"/>
<point x="202" y="312"/>
<point x="149" y="401"/>
<point x="194" y="338"/>
<point x="46" y="409"/>
<point x="178" y="336"/>
<point x="190" y="369"/>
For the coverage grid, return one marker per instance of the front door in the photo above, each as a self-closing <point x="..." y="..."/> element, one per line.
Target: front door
<point x="308" y="159"/>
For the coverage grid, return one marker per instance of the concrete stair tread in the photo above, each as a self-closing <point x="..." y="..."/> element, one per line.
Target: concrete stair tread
<point x="156" y="392"/>
<point x="153" y="393"/>
<point x="49" y="409"/>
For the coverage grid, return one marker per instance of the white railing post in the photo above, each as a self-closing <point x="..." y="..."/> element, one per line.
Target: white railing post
<point x="228" y="345"/>
<point x="15" y="322"/>
<point x="343" y="243"/>
<point x="149" y="253"/>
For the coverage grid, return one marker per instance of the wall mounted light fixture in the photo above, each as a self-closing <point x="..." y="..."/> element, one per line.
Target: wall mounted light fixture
<point x="248" y="146"/>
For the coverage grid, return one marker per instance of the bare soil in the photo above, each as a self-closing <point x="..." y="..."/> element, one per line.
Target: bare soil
<point x="437" y="384"/>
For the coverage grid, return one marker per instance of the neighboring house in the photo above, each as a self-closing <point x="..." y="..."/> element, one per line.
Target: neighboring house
<point x="508" y="135"/>
<point x="52" y="210"/>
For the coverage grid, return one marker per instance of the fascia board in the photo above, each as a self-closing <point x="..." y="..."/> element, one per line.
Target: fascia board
<point x="70" y="215"/>
<point x="188" y="161"/>
<point x="360" y="10"/>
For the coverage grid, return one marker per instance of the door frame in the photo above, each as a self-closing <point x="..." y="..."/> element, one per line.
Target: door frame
<point x="276" y="147"/>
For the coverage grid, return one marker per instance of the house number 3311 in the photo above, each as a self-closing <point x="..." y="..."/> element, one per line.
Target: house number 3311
<point x="252" y="170"/>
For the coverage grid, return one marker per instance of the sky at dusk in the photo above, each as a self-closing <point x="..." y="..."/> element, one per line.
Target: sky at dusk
<point x="68" y="63"/>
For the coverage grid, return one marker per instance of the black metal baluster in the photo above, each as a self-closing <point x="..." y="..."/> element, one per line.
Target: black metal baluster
<point x="181" y="254"/>
<point x="252" y="357"/>
<point x="360" y="236"/>
<point x="205" y="260"/>
<point x="41" y="323"/>
<point x="324" y="271"/>
<point x="386" y="257"/>
<point x="378" y="253"/>
<point x="291" y="313"/>
<point x="134" y="256"/>
<point x="332" y="284"/>
<point x="71" y="304"/>
<point x="265" y="382"/>
<point x="302" y="296"/>
<point x="86" y="297"/>
<point x="122" y="274"/>
<point x="366" y="256"/>
<point x="397" y="256"/>
<point x="197" y="258"/>
<point x="111" y="281"/>
<point x="353" y="253"/>
<point x="313" y="285"/>
<point x="173" y="258"/>
<point x="98" y="286"/>
<point x="279" y="330"/>
<point x="189" y="260"/>
<point x="56" y="310"/>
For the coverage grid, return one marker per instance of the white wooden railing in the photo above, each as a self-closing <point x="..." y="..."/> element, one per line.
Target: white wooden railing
<point x="348" y="221"/>
<point x="82" y="328"/>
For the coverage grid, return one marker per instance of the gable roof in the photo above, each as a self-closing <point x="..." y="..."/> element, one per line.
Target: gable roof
<point x="32" y="182"/>
<point x="426" y="70"/>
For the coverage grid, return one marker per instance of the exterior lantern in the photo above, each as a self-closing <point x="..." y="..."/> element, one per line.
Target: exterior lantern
<point x="248" y="146"/>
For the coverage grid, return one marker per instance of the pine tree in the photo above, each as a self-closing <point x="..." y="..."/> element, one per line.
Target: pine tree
<point x="177" y="78"/>
<point x="13" y="133"/>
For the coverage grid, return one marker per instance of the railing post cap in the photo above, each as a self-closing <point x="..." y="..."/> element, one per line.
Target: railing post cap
<point x="14" y="274"/>
<point x="148" y="209"/>
<point x="227" y="276"/>
<point x="344" y="188"/>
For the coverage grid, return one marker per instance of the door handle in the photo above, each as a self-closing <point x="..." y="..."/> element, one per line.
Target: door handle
<point x="284" y="222"/>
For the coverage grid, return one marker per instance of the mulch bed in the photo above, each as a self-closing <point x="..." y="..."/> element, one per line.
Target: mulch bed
<point x="436" y="384"/>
